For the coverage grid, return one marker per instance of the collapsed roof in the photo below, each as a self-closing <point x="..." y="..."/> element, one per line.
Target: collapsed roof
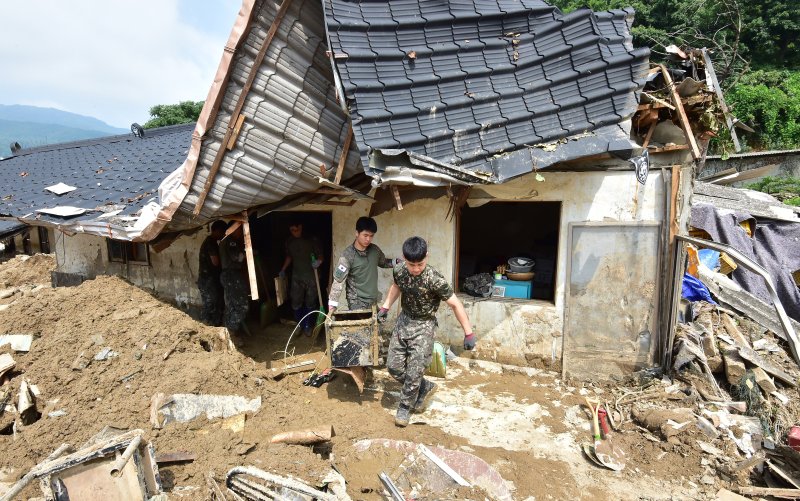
<point x="482" y="91"/>
<point x="438" y="93"/>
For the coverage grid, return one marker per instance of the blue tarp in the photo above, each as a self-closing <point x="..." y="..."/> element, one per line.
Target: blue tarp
<point x="695" y="290"/>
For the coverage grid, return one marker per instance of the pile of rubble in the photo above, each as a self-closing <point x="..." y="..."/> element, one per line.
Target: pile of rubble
<point x="90" y="373"/>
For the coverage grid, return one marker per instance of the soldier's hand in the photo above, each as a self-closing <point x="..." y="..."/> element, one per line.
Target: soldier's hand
<point x="282" y="274"/>
<point x="331" y="310"/>
<point x="382" y="314"/>
<point x="469" y="341"/>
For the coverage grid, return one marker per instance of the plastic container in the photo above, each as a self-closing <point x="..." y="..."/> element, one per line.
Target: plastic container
<point x="794" y="438"/>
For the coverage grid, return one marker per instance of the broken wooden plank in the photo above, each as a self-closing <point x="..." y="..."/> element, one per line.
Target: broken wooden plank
<point x="176" y="457"/>
<point x="754" y="358"/>
<point x="764" y="381"/>
<point x="397" y="201"/>
<point x="657" y="103"/>
<point x="212" y="172"/>
<point x="684" y="120"/>
<point x="236" y="130"/>
<point x="343" y="157"/>
<point x="734" y="331"/>
<point x="784" y="474"/>
<point x="649" y="134"/>
<point x="726" y="495"/>
<point x="734" y="366"/>
<point x="250" y="257"/>
<point x="718" y="91"/>
<point x="769" y="491"/>
<point x="667" y="149"/>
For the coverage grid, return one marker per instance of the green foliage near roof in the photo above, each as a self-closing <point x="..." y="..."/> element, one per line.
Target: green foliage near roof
<point x="174" y="114"/>
<point x="785" y="189"/>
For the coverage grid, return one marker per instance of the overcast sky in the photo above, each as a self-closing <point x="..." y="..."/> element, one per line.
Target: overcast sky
<point x="111" y="59"/>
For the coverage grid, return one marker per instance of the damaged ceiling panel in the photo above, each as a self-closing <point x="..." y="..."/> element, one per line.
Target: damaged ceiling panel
<point x="293" y="127"/>
<point x="116" y="180"/>
<point x="481" y="91"/>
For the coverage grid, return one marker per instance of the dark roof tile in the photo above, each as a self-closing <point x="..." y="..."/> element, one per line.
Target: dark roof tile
<point x="105" y="171"/>
<point x="488" y="77"/>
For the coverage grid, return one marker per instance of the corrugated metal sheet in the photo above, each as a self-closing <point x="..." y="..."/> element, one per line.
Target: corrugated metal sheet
<point x="736" y="199"/>
<point x="294" y="126"/>
<point x="119" y="174"/>
<point x="484" y="90"/>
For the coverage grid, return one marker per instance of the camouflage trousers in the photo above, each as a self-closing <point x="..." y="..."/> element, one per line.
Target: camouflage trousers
<point x="213" y="304"/>
<point x="410" y="353"/>
<point x="357" y="303"/>
<point x="303" y="293"/>
<point x="237" y="301"/>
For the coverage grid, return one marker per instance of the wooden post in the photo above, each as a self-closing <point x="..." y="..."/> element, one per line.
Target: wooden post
<point x="201" y="197"/>
<point x="251" y="263"/>
<point x="725" y="111"/>
<point x="687" y="128"/>
<point x="343" y="156"/>
<point x="397" y="201"/>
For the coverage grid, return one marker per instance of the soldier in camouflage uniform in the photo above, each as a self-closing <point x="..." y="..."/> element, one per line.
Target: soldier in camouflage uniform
<point x="237" y="300"/>
<point x="208" y="276"/>
<point x="421" y="288"/>
<point x="357" y="270"/>
<point x="304" y="255"/>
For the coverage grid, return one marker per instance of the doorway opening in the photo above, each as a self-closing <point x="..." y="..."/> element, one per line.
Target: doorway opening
<point x="270" y="234"/>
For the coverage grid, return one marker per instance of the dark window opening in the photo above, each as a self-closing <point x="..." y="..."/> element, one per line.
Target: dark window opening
<point x="493" y="233"/>
<point x="128" y="252"/>
<point x="44" y="240"/>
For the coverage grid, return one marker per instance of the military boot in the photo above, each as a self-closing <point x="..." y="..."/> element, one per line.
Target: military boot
<point x="426" y="391"/>
<point x="402" y="416"/>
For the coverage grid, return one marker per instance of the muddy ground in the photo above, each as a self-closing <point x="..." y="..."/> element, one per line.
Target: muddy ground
<point x="526" y="423"/>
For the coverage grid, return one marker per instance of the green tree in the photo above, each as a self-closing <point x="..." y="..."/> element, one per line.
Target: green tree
<point x="771" y="102"/>
<point x="173" y="114"/>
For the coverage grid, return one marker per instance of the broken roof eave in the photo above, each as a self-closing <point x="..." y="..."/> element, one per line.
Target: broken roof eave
<point x="403" y="167"/>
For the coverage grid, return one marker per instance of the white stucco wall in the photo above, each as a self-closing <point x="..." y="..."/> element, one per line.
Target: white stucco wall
<point x="171" y="274"/>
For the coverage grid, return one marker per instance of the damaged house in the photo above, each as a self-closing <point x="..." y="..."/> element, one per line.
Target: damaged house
<point x="491" y="129"/>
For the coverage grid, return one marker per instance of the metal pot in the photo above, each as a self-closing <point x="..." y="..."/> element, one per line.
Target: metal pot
<point x="520" y="264"/>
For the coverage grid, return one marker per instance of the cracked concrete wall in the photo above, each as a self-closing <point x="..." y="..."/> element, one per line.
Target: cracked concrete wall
<point x="171" y="274"/>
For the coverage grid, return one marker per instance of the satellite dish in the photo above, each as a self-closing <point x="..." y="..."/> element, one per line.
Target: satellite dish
<point x="137" y="130"/>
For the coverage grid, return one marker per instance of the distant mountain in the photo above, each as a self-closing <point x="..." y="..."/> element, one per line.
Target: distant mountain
<point x="31" y="126"/>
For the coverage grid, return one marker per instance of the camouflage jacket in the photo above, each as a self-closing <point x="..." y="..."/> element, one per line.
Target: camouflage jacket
<point x="357" y="273"/>
<point x="422" y="294"/>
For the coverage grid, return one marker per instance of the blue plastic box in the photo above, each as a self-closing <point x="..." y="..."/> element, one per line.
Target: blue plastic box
<point x="512" y="288"/>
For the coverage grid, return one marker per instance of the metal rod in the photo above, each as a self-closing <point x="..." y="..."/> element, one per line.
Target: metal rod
<point x="119" y="464"/>
<point x="24" y="481"/>
<point x="393" y="490"/>
<point x="444" y="466"/>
